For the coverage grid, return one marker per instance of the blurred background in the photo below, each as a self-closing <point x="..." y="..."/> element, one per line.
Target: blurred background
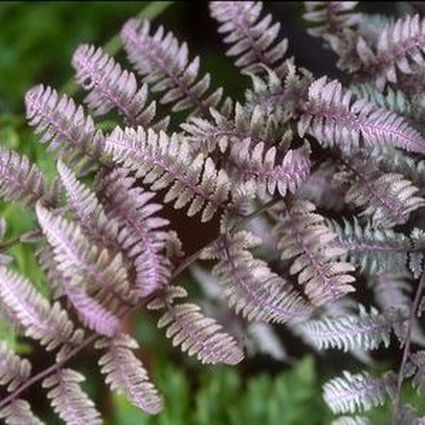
<point x="37" y="40"/>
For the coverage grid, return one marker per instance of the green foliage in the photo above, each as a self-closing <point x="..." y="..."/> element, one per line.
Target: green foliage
<point x="224" y="397"/>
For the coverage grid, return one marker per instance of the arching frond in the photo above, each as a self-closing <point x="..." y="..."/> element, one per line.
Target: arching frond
<point x="19" y="179"/>
<point x="195" y="333"/>
<point x="126" y="375"/>
<point x="352" y="420"/>
<point x="330" y="17"/>
<point x="250" y="287"/>
<point x="258" y="164"/>
<point x="164" y="63"/>
<point x="80" y="260"/>
<point x="387" y="198"/>
<point x="365" y="331"/>
<point x="372" y="249"/>
<point x="29" y="309"/>
<point x="357" y="392"/>
<point x="335" y="118"/>
<point x="399" y="48"/>
<point x="305" y="238"/>
<point x="62" y="123"/>
<point x="254" y="39"/>
<point x="18" y="412"/>
<point x="112" y="87"/>
<point x="166" y="161"/>
<point x="68" y="399"/>
<point x="13" y="369"/>
<point x="141" y="231"/>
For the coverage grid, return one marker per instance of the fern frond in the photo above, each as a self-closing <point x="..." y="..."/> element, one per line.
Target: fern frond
<point x="195" y="333"/>
<point x="418" y="360"/>
<point x="372" y="249"/>
<point x="91" y="312"/>
<point x="141" y="232"/>
<point x="29" y="309"/>
<point x="80" y="260"/>
<point x="126" y="375"/>
<point x="305" y="237"/>
<point x="258" y="164"/>
<point x="253" y="39"/>
<point x="163" y="62"/>
<point x="112" y="87"/>
<point x="68" y="399"/>
<point x="366" y="331"/>
<point x="399" y="48"/>
<point x="250" y="287"/>
<point x="335" y="118"/>
<point x="62" y="124"/>
<point x="387" y="198"/>
<point x="13" y="369"/>
<point x="352" y="420"/>
<point x="165" y="161"/>
<point x="19" y="179"/>
<point x="357" y="392"/>
<point x="267" y="341"/>
<point x="331" y="17"/>
<point x="18" y="412"/>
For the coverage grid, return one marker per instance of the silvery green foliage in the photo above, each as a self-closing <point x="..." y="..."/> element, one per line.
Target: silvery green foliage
<point x="310" y="185"/>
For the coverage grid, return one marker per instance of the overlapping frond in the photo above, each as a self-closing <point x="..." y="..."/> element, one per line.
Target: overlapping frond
<point x="19" y="179"/>
<point x="126" y="375"/>
<point x="111" y="87"/>
<point x="372" y="249"/>
<point x="250" y="287"/>
<point x="164" y="63"/>
<point x="166" y="161"/>
<point x="62" y="123"/>
<point x="80" y="260"/>
<point x="399" y="49"/>
<point x="254" y="40"/>
<point x="387" y="198"/>
<point x="335" y="118"/>
<point x="195" y="333"/>
<point x="68" y="399"/>
<point x="367" y="330"/>
<point x="357" y="392"/>
<point x="305" y="238"/>
<point x="418" y="360"/>
<point x="18" y="412"/>
<point x="259" y="164"/>
<point x="28" y="308"/>
<point x="330" y="17"/>
<point x="13" y="369"/>
<point x="141" y="231"/>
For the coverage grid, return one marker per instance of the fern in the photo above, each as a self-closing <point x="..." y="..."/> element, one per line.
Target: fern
<point x="13" y="369"/>
<point x="19" y="412"/>
<point x="304" y="236"/>
<point x="254" y="40"/>
<point x="164" y="63"/>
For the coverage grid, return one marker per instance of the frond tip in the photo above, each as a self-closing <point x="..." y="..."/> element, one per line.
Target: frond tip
<point x="126" y="375"/>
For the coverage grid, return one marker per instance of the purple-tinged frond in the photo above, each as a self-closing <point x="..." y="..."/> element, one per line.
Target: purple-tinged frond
<point x="358" y="392"/>
<point x="30" y="310"/>
<point x="254" y="40"/>
<point x="335" y="118"/>
<point x="68" y="399"/>
<point x="112" y="87"/>
<point x="18" y="412"/>
<point x="13" y="369"/>
<point x="140" y="230"/>
<point x="305" y="238"/>
<point x="92" y="313"/>
<point x="165" y="161"/>
<point x="126" y="375"/>
<point x="78" y="258"/>
<point x="197" y="334"/>
<point x="249" y="285"/>
<point x="62" y="124"/>
<point x="164" y="63"/>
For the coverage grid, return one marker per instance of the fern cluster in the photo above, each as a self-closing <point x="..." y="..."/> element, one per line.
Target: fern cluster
<point x="318" y="189"/>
